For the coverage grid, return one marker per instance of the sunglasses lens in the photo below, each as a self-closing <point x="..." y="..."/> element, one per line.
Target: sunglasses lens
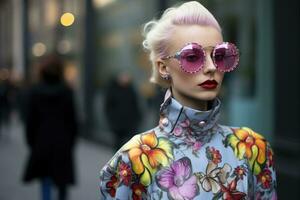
<point x="226" y="57"/>
<point x="192" y="58"/>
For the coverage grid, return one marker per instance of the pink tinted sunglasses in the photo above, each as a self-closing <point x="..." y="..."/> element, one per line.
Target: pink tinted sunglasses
<point x="192" y="57"/>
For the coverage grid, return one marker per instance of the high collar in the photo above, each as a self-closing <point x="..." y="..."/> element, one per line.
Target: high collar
<point x="181" y="121"/>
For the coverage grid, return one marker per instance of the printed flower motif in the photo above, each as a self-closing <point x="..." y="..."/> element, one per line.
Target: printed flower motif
<point x="261" y="195"/>
<point x="248" y="144"/>
<point x="125" y="173"/>
<point x="270" y="160"/>
<point x="112" y="185"/>
<point x="240" y="172"/>
<point x="163" y="121"/>
<point x="214" y="176"/>
<point x="178" y="131"/>
<point x="213" y="155"/>
<point x="178" y="180"/>
<point x="137" y="191"/>
<point x="265" y="178"/>
<point x="185" y="124"/>
<point x="147" y="152"/>
<point x="182" y="127"/>
<point x="197" y="145"/>
<point x="230" y="192"/>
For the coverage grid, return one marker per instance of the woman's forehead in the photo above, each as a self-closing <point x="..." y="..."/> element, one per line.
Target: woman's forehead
<point x="203" y="35"/>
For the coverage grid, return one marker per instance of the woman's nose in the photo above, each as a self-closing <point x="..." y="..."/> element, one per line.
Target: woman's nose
<point x="209" y="66"/>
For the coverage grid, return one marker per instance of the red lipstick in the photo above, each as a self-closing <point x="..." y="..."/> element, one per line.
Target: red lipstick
<point x="209" y="84"/>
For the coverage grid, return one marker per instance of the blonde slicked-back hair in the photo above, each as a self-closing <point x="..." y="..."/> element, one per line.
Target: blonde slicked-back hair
<point x="157" y="33"/>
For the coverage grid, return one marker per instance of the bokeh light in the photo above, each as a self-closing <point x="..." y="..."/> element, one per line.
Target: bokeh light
<point x="67" y="19"/>
<point x="39" y="49"/>
<point x="64" y="46"/>
<point x="4" y="74"/>
<point x="71" y="74"/>
<point x="102" y="3"/>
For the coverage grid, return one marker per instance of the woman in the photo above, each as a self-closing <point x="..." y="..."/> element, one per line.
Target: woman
<point x="189" y="155"/>
<point x="51" y="129"/>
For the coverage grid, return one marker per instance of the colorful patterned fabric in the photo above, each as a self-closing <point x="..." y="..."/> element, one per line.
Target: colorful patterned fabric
<point x="190" y="156"/>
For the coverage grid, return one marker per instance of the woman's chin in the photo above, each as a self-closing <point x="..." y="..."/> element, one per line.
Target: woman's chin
<point x="207" y="96"/>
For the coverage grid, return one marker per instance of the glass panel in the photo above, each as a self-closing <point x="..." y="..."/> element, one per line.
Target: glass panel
<point x="119" y="49"/>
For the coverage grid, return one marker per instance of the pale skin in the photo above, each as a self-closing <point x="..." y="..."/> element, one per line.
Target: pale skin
<point x="185" y="86"/>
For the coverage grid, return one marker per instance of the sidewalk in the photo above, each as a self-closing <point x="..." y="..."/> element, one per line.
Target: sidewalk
<point x="89" y="159"/>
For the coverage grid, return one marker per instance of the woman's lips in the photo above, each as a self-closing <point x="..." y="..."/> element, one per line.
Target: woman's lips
<point x="209" y="84"/>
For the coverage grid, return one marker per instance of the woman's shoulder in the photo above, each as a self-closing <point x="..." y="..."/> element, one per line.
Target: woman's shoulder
<point x="243" y="136"/>
<point x="136" y="142"/>
<point x="242" y="132"/>
<point x="142" y="155"/>
<point x="143" y="142"/>
<point x="250" y="145"/>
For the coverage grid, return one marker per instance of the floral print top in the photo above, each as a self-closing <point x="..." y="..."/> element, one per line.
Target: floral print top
<point x="190" y="156"/>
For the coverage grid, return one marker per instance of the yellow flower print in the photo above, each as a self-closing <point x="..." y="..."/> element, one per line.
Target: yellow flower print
<point x="147" y="152"/>
<point x="248" y="144"/>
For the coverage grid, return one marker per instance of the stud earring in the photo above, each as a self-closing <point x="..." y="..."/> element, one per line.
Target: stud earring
<point x="166" y="76"/>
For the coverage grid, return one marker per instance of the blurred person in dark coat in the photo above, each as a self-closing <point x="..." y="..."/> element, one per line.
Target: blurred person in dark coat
<point x="6" y="89"/>
<point x="51" y="129"/>
<point x="4" y="106"/>
<point x="122" y="109"/>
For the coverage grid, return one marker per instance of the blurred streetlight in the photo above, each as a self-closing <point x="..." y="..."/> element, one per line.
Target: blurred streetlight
<point x="67" y="19"/>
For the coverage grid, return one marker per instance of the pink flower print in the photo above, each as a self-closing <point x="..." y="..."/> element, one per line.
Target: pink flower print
<point x="274" y="196"/>
<point x="178" y="180"/>
<point x="186" y="123"/>
<point x="178" y="131"/>
<point x="197" y="146"/>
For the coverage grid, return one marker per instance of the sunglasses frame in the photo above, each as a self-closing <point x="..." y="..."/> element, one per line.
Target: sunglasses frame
<point x="178" y="57"/>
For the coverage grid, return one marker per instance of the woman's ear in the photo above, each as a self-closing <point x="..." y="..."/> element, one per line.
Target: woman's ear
<point x="162" y="68"/>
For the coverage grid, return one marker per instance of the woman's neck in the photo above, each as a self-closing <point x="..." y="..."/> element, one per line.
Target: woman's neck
<point x="193" y="103"/>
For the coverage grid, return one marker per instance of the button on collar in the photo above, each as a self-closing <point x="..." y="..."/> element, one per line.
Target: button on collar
<point x="202" y="123"/>
<point x="165" y="122"/>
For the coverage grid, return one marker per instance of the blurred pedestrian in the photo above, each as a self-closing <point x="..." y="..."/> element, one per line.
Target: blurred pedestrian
<point x="51" y="129"/>
<point x="4" y="101"/>
<point x="122" y="108"/>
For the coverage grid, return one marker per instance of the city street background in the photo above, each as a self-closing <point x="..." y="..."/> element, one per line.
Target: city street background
<point x="89" y="158"/>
